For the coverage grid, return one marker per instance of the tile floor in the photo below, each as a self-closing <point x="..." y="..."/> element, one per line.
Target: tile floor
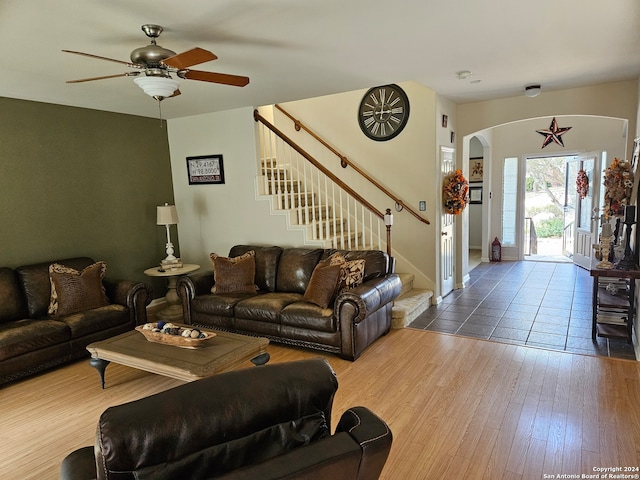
<point x="529" y="303"/>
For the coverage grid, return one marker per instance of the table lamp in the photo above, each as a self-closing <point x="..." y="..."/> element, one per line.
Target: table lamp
<point x="167" y="216"/>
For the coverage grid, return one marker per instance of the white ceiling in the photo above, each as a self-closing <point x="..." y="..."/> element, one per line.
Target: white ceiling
<point x="295" y="49"/>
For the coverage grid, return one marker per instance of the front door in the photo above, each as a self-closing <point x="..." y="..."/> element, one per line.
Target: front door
<point x="587" y="211"/>
<point x="447" y="240"/>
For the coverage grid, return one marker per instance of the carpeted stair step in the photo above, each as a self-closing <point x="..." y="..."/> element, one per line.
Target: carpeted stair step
<point x="407" y="282"/>
<point x="409" y="305"/>
<point x="283" y="186"/>
<point x="318" y="212"/>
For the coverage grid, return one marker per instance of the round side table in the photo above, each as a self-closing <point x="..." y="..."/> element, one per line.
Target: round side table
<point x="174" y="311"/>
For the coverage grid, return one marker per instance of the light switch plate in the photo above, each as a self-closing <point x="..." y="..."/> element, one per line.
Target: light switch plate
<point x="422" y="205"/>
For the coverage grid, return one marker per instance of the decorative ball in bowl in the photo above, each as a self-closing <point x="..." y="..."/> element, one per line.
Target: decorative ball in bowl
<point x="183" y="336"/>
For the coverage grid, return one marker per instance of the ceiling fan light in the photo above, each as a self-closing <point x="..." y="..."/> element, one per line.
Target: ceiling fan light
<point x="532" y="91"/>
<point x="156" y="87"/>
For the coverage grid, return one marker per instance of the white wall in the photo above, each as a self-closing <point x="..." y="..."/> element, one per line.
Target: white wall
<point x="616" y="100"/>
<point x="213" y="218"/>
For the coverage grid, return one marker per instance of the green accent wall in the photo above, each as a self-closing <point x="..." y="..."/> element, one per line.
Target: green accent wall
<point x="77" y="182"/>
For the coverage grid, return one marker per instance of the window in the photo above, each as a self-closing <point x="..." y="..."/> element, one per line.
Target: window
<point x="509" y="200"/>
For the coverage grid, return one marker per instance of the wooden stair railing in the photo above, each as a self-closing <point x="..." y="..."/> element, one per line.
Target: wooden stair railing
<point x="345" y="162"/>
<point x="321" y="199"/>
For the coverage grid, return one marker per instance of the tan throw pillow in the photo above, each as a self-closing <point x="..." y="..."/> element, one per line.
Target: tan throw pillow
<point x="234" y="275"/>
<point x="352" y="275"/>
<point x="73" y="291"/>
<point x="325" y="280"/>
<point x="335" y="259"/>
<point x="323" y="285"/>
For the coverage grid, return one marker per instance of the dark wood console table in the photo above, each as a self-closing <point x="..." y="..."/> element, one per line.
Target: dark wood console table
<point x="613" y="314"/>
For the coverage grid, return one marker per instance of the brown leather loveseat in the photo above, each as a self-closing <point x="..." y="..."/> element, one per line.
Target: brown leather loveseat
<point x="268" y="422"/>
<point x="32" y="340"/>
<point x="280" y="308"/>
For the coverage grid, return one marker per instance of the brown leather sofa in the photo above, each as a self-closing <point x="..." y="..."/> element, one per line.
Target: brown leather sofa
<point x="279" y="311"/>
<point x="266" y="423"/>
<point x="32" y="341"/>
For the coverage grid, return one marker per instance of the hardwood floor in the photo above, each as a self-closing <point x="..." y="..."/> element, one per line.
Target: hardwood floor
<point x="459" y="408"/>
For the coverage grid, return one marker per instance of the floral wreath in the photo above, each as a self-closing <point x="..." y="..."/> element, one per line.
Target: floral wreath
<point x="582" y="183"/>
<point x="455" y="193"/>
<point x="618" y="182"/>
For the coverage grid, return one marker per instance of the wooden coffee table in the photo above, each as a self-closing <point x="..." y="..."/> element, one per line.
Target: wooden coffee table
<point x="224" y="352"/>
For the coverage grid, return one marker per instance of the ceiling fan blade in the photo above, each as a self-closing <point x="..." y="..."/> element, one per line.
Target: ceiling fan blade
<point x="190" y="57"/>
<point x="224" y="78"/>
<point x="126" y="74"/>
<point x="128" y="64"/>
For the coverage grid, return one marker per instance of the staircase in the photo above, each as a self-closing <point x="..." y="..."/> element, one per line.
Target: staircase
<point x="328" y="212"/>
<point x="322" y="228"/>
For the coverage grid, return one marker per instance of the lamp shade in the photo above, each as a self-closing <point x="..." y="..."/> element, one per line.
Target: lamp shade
<point x="162" y="87"/>
<point x="167" y="215"/>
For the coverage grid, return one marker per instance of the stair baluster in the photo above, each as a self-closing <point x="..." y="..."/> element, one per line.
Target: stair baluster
<point x="329" y="212"/>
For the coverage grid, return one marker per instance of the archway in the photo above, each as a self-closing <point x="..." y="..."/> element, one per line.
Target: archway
<point x="519" y="140"/>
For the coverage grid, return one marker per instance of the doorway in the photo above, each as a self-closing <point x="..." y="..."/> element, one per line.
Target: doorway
<point x="549" y="208"/>
<point x="560" y="225"/>
<point x="478" y="200"/>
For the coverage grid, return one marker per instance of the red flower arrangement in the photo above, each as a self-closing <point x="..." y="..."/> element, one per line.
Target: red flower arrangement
<point x="455" y="193"/>
<point x="582" y="184"/>
<point x="618" y="183"/>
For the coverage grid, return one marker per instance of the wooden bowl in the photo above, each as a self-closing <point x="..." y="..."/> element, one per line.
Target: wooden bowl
<point x="176" y="340"/>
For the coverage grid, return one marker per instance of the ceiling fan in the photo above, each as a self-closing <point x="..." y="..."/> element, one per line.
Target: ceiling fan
<point x="158" y="63"/>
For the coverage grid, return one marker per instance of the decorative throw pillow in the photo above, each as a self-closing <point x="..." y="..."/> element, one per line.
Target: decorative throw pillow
<point x="352" y="275"/>
<point x="324" y="281"/>
<point x="234" y="275"/>
<point x="73" y="291"/>
<point x="335" y="259"/>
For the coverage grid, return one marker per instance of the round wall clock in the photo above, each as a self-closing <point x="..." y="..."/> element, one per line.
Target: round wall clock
<point x="383" y="112"/>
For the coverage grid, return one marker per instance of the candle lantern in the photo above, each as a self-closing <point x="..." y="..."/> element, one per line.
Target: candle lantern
<point x="496" y="250"/>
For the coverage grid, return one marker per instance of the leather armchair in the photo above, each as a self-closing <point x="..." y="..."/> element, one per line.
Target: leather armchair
<point x="266" y="422"/>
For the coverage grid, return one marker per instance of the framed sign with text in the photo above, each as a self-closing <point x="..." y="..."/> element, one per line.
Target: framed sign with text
<point x="475" y="195"/>
<point x="205" y="169"/>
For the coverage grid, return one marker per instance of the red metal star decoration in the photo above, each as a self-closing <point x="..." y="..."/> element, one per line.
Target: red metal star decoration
<point x="553" y="134"/>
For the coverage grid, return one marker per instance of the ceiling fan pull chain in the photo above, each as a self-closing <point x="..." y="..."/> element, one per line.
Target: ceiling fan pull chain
<point x="160" y="111"/>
